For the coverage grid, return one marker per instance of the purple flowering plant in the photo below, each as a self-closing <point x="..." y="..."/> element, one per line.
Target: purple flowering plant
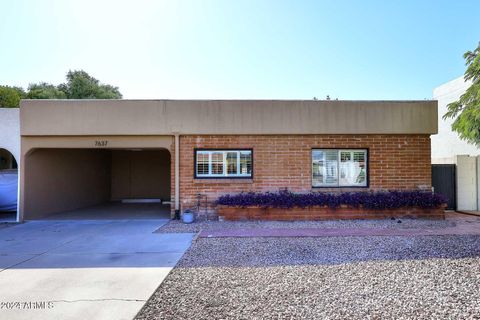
<point x="369" y="200"/>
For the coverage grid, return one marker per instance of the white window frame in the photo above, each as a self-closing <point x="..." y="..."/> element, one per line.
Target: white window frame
<point x="338" y="185"/>
<point x="225" y="173"/>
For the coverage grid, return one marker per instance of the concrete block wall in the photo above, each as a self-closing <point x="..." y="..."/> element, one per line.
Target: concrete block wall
<point x="467" y="182"/>
<point x="478" y="182"/>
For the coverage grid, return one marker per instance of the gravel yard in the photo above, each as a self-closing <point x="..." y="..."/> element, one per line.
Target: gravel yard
<point x="177" y="226"/>
<point x="420" y="277"/>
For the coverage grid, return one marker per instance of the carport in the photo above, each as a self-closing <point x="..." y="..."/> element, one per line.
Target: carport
<point x="121" y="178"/>
<point x="89" y="159"/>
<point x="66" y="183"/>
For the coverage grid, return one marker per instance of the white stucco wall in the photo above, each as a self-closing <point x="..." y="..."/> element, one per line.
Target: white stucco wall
<point x="446" y="144"/>
<point x="467" y="186"/>
<point x="10" y="131"/>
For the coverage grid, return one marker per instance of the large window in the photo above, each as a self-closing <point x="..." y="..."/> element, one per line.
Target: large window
<point x="223" y="163"/>
<point x="339" y="168"/>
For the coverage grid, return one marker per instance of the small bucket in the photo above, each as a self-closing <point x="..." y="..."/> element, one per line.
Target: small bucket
<point x="188" y="216"/>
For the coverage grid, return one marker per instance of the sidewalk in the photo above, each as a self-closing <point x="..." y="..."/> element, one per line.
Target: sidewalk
<point x="470" y="212"/>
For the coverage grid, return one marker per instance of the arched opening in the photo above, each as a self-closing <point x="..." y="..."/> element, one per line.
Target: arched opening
<point x="7" y="160"/>
<point x="97" y="184"/>
<point x="8" y="186"/>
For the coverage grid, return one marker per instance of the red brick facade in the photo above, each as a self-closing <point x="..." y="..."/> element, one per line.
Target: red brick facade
<point x="284" y="161"/>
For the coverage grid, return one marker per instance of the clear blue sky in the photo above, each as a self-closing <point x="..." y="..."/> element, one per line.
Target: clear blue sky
<point x="399" y="49"/>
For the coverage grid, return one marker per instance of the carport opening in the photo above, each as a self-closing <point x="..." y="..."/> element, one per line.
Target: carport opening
<point x="8" y="186"/>
<point x="97" y="184"/>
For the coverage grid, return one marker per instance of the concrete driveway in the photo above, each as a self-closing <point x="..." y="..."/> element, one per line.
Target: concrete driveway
<point x="95" y="269"/>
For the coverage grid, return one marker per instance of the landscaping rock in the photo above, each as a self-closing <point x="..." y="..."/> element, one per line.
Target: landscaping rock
<point x="175" y="226"/>
<point x="427" y="277"/>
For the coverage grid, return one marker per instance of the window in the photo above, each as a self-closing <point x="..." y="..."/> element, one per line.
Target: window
<point x="339" y="168"/>
<point x="216" y="160"/>
<point x="223" y="163"/>
<point x="202" y="163"/>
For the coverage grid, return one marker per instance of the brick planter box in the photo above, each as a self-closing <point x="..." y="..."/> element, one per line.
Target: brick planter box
<point x="326" y="213"/>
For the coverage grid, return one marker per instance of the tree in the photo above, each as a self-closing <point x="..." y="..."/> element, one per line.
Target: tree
<point x="466" y="110"/>
<point x="45" y="90"/>
<point x="10" y="96"/>
<point x="80" y="85"/>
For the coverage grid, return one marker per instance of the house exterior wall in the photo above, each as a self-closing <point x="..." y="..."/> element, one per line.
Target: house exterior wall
<point x="281" y="134"/>
<point x="447" y="144"/>
<point x="448" y="148"/>
<point x="6" y="159"/>
<point x="219" y="117"/>
<point x="284" y="161"/>
<point x="10" y="131"/>
<point x="60" y="180"/>
<point x="140" y="174"/>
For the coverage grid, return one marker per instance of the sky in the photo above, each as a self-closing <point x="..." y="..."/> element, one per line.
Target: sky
<point x="350" y="50"/>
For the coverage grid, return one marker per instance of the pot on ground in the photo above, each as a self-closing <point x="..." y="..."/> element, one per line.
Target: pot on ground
<point x="188" y="216"/>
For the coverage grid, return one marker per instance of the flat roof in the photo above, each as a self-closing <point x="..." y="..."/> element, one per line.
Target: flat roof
<point x="226" y="117"/>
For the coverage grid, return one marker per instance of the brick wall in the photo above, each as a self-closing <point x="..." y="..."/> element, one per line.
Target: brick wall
<point x="279" y="162"/>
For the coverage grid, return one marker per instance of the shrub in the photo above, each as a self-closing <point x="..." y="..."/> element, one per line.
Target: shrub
<point x="369" y="200"/>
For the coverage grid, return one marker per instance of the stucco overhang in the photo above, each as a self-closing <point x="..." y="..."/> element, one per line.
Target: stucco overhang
<point x="220" y="117"/>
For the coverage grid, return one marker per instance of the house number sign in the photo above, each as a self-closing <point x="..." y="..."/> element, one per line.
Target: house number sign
<point x="101" y="143"/>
